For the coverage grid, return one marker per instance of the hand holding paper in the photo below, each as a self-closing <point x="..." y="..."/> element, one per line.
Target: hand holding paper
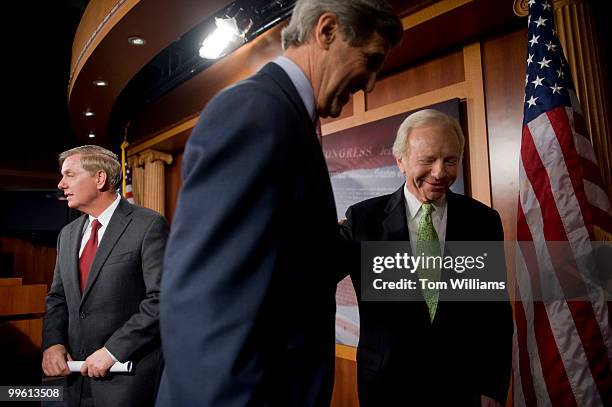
<point x="118" y="367"/>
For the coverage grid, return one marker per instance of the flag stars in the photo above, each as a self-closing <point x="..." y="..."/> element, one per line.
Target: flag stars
<point x="531" y="101"/>
<point x="544" y="63"/>
<point x="534" y="40"/>
<point x="556" y="89"/>
<point x="546" y="6"/>
<point x="541" y="21"/>
<point x="538" y="81"/>
<point x="531" y="3"/>
<point x="551" y="46"/>
<point x="530" y="59"/>
<point x="526" y="79"/>
<point x="560" y="73"/>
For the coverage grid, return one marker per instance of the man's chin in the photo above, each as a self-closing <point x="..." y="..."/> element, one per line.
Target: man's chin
<point x="434" y="195"/>
<point x="335" y="109"/>
<point x="333" y="112"/>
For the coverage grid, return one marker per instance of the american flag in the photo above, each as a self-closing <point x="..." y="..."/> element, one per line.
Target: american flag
<point x="128" y="193"/>
<point x="563" y="344"/>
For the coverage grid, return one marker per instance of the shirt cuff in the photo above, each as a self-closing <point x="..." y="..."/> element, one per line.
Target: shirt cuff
<point x="111" y="355"/>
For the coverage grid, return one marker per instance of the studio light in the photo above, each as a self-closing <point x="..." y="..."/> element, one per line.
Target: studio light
<point x="228" y="35"/>
<point x="137" y="41"/>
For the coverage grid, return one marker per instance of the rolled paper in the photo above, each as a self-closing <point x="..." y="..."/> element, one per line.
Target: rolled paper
<point x="118" y="367"/>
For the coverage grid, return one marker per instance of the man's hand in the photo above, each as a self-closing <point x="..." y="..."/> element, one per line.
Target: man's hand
<point x="488" y="402"/>
<point x="97" y="364"/>
<point x="54" y="361"/>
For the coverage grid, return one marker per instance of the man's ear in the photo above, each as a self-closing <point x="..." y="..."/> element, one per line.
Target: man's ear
<point x="101" y="180"/>
<point x="400" y="165"/>
<point x="326" y="30"/>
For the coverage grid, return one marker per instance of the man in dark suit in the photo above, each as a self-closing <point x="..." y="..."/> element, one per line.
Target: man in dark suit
<point x="247" y="306"/>
<point x="430" y="352"/>
<point x="103" y="304"/>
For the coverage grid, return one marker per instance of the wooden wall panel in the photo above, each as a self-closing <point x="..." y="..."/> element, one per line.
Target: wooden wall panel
<point x="427" y="76"/>
<point x="21" y="310"/>
<point x="35" y="264"/>
<point x="504" y="80"/>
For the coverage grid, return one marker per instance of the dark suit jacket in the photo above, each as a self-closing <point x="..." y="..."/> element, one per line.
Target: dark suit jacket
<point x="247" y="306"/>
<point x="403" y="358"/>
<point x="119" y="307"/>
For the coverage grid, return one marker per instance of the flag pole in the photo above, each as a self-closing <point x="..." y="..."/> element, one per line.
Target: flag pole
<point x="124" y="147"/>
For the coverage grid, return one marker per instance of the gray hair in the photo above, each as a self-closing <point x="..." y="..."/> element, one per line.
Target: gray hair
<point x="95" y="158"/>
<point x="423" y="118"/>
<point x="358" y="20"/>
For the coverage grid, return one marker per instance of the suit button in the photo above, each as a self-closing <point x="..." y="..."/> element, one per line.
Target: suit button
<point x="83" y="315"/>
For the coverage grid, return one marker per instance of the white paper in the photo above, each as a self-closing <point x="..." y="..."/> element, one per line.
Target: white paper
<point x="118" y="367"/>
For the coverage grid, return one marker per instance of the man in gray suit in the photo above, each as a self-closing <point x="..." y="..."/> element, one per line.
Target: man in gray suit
<point x="103" y="303"/>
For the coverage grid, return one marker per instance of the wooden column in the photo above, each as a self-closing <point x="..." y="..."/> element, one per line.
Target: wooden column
<point x="574" y="24"/>
<point x="154" y="194"/>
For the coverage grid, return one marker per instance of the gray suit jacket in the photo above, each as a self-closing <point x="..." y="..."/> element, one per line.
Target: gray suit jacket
<point x="119" y="306"/>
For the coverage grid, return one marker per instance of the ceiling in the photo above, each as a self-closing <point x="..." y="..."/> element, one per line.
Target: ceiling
<point x="37" y="123"/>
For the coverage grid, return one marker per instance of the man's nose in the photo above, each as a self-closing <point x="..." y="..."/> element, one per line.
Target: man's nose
<point x="61" y="185"/>
<point x="438" y="170"/>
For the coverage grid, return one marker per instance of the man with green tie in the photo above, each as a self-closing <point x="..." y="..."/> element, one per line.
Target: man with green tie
<point x="429" y="352"/>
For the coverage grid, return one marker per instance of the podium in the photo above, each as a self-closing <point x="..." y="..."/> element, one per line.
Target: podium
<point x="21" y="320"/>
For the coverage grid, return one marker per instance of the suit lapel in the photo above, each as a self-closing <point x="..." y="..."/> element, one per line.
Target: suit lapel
<point x="312" y="145"/>
<point x="73" y="277"/>
<point x="395" y="228"/>
<point x="454" y="229"/>
<point x="281" y="78"/>
<point x="395" y="225"/>
<point x="453" y="219"/>
<point x="119" y="221"/>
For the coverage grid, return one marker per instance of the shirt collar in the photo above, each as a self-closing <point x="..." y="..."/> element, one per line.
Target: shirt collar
<point x="414" y="204"/>
<point x="301" y="83"/>
<point x="105" y="216"/>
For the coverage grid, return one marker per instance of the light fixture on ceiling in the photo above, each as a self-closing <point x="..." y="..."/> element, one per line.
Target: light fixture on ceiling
<point x="91" y="134"/>
<point x="100" y="83"/>
<point x="89" y="113"/>
<point x="136" y="40"/>
<point x="228" y="35"/>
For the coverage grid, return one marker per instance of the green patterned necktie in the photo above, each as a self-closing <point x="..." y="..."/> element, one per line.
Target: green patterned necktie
<point x="428" y="245"/>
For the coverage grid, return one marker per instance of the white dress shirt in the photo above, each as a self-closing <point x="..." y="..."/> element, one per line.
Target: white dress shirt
<point x="104" y="220"/>
<point x="301" y="83"/>
<point x="414" y="214"/>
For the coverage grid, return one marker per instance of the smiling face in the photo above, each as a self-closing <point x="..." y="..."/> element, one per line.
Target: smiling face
<point x="350" y="69"/>
<point x="431" y="161"/>
<point x="82" y="190"/>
